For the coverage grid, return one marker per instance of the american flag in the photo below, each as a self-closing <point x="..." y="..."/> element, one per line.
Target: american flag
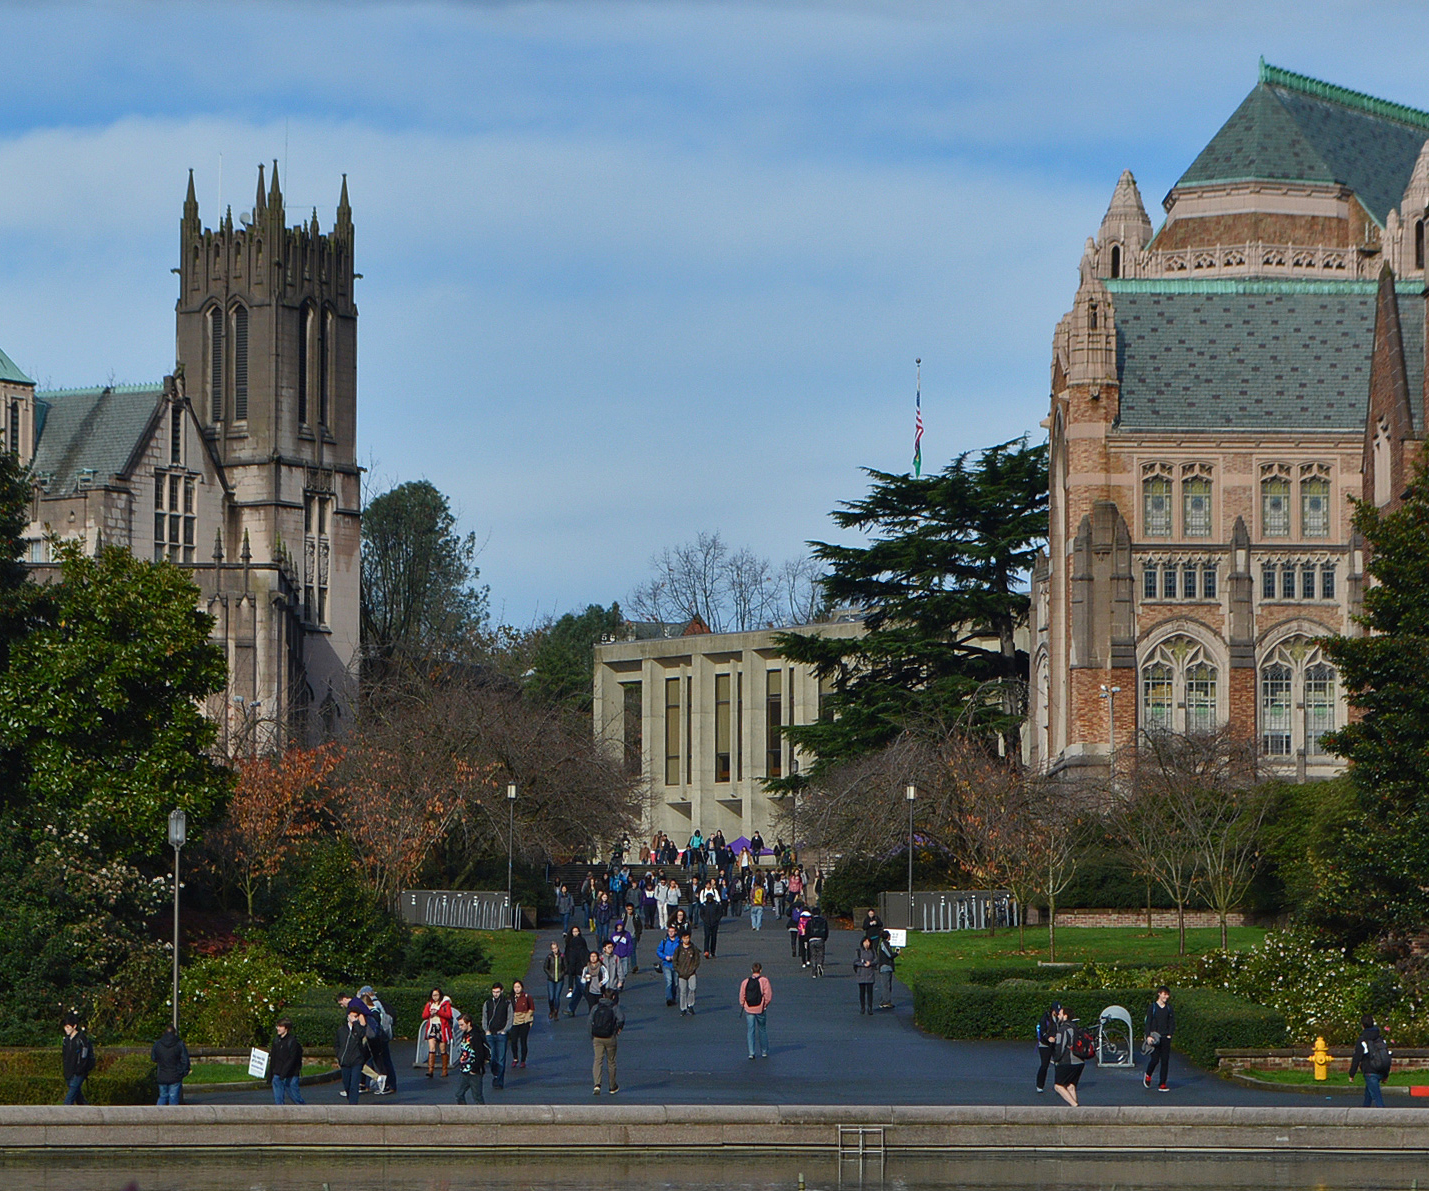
<point x="918" y="425"/>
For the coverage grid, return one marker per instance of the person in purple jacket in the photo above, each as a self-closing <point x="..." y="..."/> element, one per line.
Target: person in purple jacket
<point x="624" y="943"/>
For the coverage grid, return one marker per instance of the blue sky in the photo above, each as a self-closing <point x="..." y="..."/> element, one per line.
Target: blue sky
<point x="634" y="271"/>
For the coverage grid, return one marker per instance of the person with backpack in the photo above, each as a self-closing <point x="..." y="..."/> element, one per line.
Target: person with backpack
<point x="816" y="938"/>
<point x="622" y="945"/>
<point x="77" y="1058"/>
<point x="470" y="1061"/>
<point x="1070" y="1063"/>
<point x="607" y="1019"/>
<point x="171" y="1062"/>
<point x="755" y="996"/>
<point x="887" y="954"/>
<point x="381" y="1045"/>
<point x="350" y="1049"/>
<point x="1046" y="1043"/>
<point x="686" y="963"/>
<point x="1160" y="1024"/>
<point x="758" y="897"/>
<point x="497" y="1017"/>
<point x="1372" y="1059"/>
<point x="865" y="969"/>
<point x="665" y="957"/>
<point x="285" y="1063"/>
<point x="711" y="915"/>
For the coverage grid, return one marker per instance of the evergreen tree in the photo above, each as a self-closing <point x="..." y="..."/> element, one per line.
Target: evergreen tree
<point x="563" y="665"/>
<point x="941" y="589"/>
<point x="1378" y="881"/>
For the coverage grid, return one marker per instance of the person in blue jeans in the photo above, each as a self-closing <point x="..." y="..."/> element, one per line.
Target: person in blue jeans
<point x="665" y="953"/>
<point x="755" y="997"/>
<point x="1372" y="1060"/>
<point x="285" y="1063"/>
<point x="497" y="1017"/>
<point x="78" y="1059"/>
<point x="171" y="1064"/>
<point x="350" y="1047"/>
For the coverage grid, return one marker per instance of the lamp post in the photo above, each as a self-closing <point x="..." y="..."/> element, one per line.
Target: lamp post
<point x="1109" y="693"/>
<point x="794" y="808"/>
<point x="911" y="794"/>
<point x="178" y="832"/>
<point x="510" y="844"/>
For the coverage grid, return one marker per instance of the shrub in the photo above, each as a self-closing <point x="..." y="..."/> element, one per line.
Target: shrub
<point x="316" y="1016"/>
<point x="1205" y="1018"/>
<point x="35" y="1077"/>
<point x="233" y="999"/>
<point x="434" y="953"/>
<point x="997" y="973"/>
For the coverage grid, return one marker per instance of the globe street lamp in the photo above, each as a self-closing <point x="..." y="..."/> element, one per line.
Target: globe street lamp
<point x="510" y="843"/>
<point x="178" y="832"/>
<point x="911" y="794"/>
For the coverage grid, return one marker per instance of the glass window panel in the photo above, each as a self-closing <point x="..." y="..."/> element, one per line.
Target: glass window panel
<point x="174" y="520"/>
<point x="173" y="494"/>
<point x="1188" y="582"/>
<point x="1327" y="581"/>
<point x="1275" y="507"/>
<point x="1275" y="711"/>
<point x="633" y="725"/>
<point x="1148" y="583"/>
<point x="774" y="725"/>
<point x="1319" y="706"/>
<point x="1201" y="698"/>
<point x="159" y="486"/>
<point x="1196" y="493"/>
<point x="1208" y="583"/>
<point x="1315" y="508"/>
<point x="672" y="731"/>
<point x="1287" y="583"/>
<point x="1267" y="582"/>
<point x="188" y="496"/>
<point x="1157" y="496"/>
<point x="1156" y="696"/>
<point x="1307" y="583"/>
<point x="1168" y="583"/>
<point x="723" y="727"/>
<point x="188" y="531"/>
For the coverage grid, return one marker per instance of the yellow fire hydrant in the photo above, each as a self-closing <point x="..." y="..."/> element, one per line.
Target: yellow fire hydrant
<point x="1320" y="1057"/>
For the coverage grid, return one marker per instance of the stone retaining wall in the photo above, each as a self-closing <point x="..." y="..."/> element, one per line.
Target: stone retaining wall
<point x="701" y="1127"/>
<point x="1159" y="918"/>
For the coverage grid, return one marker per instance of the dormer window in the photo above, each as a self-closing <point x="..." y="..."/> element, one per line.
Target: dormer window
<point x="1116" y="260"/>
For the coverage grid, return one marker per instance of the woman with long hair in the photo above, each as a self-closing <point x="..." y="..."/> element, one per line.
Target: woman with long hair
<point x="437" y="1029"/>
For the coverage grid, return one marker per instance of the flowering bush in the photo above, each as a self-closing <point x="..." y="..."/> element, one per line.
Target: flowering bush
<point x="233" y="999"/>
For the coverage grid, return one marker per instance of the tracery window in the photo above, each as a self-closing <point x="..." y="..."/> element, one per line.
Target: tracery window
<point x="1275" y="500"/>
<point x="1196" y="500"/>
<point x="1156" y="499"/>
<point x="1180" y="688"/>
<point x="1315" y="500"/>
<point x="1298" y="700"/>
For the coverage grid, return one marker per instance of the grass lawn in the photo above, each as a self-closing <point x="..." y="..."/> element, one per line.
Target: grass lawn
<point x="510" y="952"/>
<point x="956" y="951"/>
<point x="238" y="1072"/>
<point x="1306" y="1075"/>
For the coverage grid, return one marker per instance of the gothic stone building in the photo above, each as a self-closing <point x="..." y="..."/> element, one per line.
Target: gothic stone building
<point x="1220" y="390"/>
<point x="240" y="467"/>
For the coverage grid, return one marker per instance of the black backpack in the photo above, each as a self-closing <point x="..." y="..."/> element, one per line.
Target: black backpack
<point x="753" y="992"/>
<point x="602" y="1021"/>
<point x="1378" y="1059"/>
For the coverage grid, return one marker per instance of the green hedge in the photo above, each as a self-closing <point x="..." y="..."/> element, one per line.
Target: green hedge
<point x="34" y="1077"/>
<point x="995" y="974"/>
<point x="316" y="1017"/>
<point x="1205" y="1018"/>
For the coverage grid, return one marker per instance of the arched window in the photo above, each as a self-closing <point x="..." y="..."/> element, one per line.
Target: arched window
<point x="1275" y="710"/>
<point x="215" y="363"/>
<point x="305" y="331"/>
<point x="1319" y="705"/>
<point x="1275" y="500"/>
<point x="1156" y="499"/>
<point x="1196" y="500"/>
<point x="240" y="363"/>
<point x="1116" y="260"/>
<point x="1298" y="700"/>
<point x="325" y="350"/>
<point x="1092" y="316"/>
<point x="1180" y="688"/>
<point x="1418" y="243"/>
<point x="1314" y="501"/>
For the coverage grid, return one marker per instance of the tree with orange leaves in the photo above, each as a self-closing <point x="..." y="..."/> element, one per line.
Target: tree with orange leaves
<point x="280" y="802"/>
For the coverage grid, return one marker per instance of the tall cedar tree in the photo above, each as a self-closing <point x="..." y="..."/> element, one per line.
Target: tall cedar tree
<point x="940" y="589"/>
<point x="1379" y="881"/>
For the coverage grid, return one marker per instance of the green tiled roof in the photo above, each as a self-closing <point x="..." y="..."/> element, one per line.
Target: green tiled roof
<point x="1259" y="356"/>
<point x="10" y="371"/>
<point x="92" y="431"/>
<point x="1291" y="128"/>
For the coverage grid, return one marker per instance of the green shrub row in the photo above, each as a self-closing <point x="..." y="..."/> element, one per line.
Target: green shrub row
<point x="1205" y="1018"/>
<point x="316" y="1017"/>
<point x="35" y="1077"/>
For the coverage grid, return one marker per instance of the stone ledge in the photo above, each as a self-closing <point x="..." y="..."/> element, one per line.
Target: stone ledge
<point x="648" y="1127"/>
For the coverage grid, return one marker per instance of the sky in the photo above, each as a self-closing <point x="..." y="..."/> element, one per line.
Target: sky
<point x="634" y="271"/>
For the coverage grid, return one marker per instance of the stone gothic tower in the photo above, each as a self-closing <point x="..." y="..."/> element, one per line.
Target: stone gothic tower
<point x="267" y="349"/>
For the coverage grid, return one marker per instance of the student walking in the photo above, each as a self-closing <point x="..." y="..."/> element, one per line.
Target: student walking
<point x="865" y="968"/>
<point x="757" y="899"/>
<point x="1373" y="1060"/>
<point x="1046" y="1043"/>
<point x="470" y="1062"/>
<point x="565" y="907"/>
<point x="285" y="1063"/>
<point x="607" y="1019"/>
<point x="577" y="957"/>
<point x="816" y="937"/>
<point x="711" y="914"/>
<point x="380" y="1044"/>
<point x="350" y="1047"/>
<point x="77" y="1059"/>
<point x="523" y="1014"/>
<point x="687" y="963"/>
<point x="665" y="954"/>
<point x="1069" y="1065"/>
<point x="554" y="966"/>
<point x="592" y="980"/>
<point x="437" y="1029"/>
<point x="496" y="1019"/>
<point x="755" y="996"/>
<point x="1160" y="1024"/>
<point x="171" y="1061"/>
<point x="887" y="954"/>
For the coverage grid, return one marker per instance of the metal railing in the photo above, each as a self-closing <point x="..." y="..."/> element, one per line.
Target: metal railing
<point x="946" y="910"/>
<point x="463" y="909"/>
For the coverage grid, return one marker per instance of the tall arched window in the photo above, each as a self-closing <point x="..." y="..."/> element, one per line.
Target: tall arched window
<point x="1298" y="699"/>
<point x="1116" y="260"/>
<point x="1275" y="500"/>
<point x="1196" y="500"/>
<point x="325" y="349"/>
<point x="305" y="331"/>
<point x="1180" y="688"/>
<point x="240" y="363"/>
<point x="1319" y="706"/>
<point x="1418" y="243"/>
<point x="1314" y="501"/>
<point x="1156" y="499"/>
<point x="1275" y="717"/>
<point x="215" y="363"/>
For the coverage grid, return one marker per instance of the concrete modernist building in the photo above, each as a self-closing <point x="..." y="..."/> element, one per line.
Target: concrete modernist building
<point x="700" y="716"/>
<point x="241" y="467"/>
<point x="1220" y="390"/>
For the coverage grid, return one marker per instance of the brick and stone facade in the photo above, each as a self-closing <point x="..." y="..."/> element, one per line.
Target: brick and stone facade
<point x="1221" y="389"/>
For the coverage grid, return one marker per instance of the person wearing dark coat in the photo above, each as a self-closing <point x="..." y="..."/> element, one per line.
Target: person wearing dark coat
<point x="285" y="1063"/>
<point x="1160" y="1025"/>
<point x="1373" y="1097"/>
<point x="711" y="914"/>
<point x="350" y="1047"/>
<point x="577" y="956"/>
<point x="171" y="1058"/>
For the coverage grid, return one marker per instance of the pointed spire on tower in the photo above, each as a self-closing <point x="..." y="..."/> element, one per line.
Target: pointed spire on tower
<point x="1126" y="221"/>
<point x="275" y="198"/>
<point x="228" y="219"/>
<point x="313" y="224"/>
<point x="191" y="202"/>
<point x="260" y="200"/>
<point x="343" y="228"/>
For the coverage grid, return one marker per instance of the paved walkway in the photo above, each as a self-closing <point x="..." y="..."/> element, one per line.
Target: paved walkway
<point x="822" y="1050"/>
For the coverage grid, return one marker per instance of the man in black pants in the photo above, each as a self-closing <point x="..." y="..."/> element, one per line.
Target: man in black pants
<point x="1046" y="1043"/>
<point x="1160" y="1023"/>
